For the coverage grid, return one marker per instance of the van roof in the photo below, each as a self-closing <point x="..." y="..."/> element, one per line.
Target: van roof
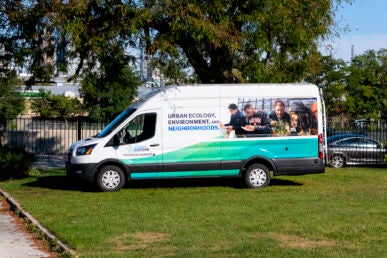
<point x="273" y="90"/>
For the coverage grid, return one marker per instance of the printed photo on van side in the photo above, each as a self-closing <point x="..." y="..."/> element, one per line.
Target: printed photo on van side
<point x="265" y="117"/>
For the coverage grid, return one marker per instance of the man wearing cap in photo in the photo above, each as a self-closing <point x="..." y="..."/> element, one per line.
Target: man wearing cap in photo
<point x="302" y="118"/>
<point x="257" y="121"/>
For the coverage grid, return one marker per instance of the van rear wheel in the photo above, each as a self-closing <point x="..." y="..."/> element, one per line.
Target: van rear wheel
<point x="257" y="176"/>
<point x="110" y="179"/>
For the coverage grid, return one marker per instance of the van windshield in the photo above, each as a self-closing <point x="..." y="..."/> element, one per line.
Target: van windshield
<point x="116" y="122"/>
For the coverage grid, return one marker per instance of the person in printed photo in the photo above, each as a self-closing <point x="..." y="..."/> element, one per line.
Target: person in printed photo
<point x="257" y="121"/>
<point x="237" y="120"/>
<point x="302" y="119"/>
<point x="279" y="119"/>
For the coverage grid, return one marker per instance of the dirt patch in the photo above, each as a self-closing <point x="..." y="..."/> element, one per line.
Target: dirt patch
<point x="140" y="240"/>
<point x="297" y="242"/>
<point x="303" y="243"/>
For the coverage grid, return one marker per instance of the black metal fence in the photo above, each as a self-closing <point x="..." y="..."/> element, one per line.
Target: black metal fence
<point x="356" y="142"/>
<point x="373" y="129"/>
<point x="53" y="137"/>
<point x="47" y="137"/>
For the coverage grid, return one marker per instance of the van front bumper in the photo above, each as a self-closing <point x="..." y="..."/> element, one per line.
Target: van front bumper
<point x="82" y="171"/>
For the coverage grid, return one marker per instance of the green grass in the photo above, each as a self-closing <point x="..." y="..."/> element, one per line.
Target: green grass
<point x="342" y="213"/>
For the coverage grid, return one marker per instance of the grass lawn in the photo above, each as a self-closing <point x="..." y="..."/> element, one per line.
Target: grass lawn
<point x="342" y="213"/>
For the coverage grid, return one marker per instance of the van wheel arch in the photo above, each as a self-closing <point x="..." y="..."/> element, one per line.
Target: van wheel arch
<point x="120" y="165"/>
<point x="257" y="160"/>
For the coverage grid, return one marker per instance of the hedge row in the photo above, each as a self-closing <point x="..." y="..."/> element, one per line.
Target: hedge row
<point x="14" y="162"/>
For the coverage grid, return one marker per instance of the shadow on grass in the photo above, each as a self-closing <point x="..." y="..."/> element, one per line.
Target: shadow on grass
<point x="61" y="183"/>
<point x="69" y="184"/>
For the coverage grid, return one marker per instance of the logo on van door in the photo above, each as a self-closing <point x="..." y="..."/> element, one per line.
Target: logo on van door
<point x="140" y="148"/>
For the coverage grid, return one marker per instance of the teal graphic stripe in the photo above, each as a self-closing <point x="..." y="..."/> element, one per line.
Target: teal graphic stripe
<point x="203" y="173"/>
<point x="224" y="150"/>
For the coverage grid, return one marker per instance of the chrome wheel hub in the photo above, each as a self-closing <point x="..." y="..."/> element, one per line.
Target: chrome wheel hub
<point x="111" y="179"/>
<point x="257" y="177"/>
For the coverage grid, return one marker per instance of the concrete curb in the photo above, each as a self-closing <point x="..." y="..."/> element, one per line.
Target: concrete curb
<point x="15" y="206"/>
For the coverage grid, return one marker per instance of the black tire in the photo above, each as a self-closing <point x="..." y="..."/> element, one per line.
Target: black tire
<point x="257" y="176"/>
<point x="110" y="178"/>
<point x="338" y="161"/>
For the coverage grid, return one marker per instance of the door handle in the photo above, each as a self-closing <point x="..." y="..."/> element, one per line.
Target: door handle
<point x="154" y="145"/>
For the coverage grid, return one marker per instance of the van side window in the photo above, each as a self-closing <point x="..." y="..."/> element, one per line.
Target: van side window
<point x="139" y="129"/>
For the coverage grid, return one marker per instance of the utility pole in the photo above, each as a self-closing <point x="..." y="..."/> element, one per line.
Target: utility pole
<point x="142" y="63"/>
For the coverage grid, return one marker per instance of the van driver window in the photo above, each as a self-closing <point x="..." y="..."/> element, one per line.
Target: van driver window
<point x="139" y="129"/>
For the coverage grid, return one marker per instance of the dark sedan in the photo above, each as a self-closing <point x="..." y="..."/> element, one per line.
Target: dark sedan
<point x="356" y="151"/>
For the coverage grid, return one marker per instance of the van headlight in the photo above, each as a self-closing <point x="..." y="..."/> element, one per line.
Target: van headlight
<point x="85" y="150"/>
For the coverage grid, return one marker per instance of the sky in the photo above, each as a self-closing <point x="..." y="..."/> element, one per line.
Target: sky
<point x="363" y="24"/>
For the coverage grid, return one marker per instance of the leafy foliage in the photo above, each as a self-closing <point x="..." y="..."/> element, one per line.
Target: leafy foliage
<point x="12" y="103"/>
<point x="358" y="89"/>
<point x="223" y="40"/>
<point x="48" y="105"/>
<point x="264" y="40"/>
<point x="366" y="85"/>
<point x="174" y="69"/>
<point x="14" y="162"/>
<point x="111" y="90"/>
<point x="28" y="31"/>
<point x="331" y="76"/>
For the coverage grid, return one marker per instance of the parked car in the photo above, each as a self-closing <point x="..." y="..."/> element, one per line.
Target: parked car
<point x="337" y="137"/>
<point x="332" y="132"/>
<point x="357" y="150"/>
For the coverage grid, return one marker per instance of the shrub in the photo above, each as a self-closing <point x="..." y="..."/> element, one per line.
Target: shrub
<point x="14" y="162"/>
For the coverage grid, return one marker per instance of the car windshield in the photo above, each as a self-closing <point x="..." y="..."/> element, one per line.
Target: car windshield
<point x="116" y="122"/>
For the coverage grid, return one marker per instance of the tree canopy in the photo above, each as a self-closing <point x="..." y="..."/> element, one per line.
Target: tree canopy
<point x="111" y="90"/>
<point x="234" y="41"/>
<point x="49" y="106"/>
<point x="357" y="89"/>
<point x="11" y="102"/>
<point x="223" y="40"/>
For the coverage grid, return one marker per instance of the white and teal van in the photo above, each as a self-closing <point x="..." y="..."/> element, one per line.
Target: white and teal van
<point x="223" y="130"/>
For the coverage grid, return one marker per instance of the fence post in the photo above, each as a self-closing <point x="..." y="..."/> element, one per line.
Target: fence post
<point x="3" y="130"/>
<point x="79" y="129"/>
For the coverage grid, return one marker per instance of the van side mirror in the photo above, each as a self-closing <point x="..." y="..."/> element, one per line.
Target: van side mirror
<point x="114" y="141"/>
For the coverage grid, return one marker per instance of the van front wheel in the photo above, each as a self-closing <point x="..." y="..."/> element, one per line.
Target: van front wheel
<point x="110" y="179"/>
<point x="257" y="176"/>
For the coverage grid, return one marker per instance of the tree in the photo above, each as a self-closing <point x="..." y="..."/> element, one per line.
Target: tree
<point x="11" y="102"/>
<point x="357" y="89"/>
<point x="174" y="69"/>
<point x="223" y="40"/>
<point x="107" y="92"/>
<point x="331" y="77"/>
<point x="51" y="106"/>
<point x="366" y="85"/>
<point x="95" y="29"/>
<point x="27" y="31"/>
<point x="264" y="40"/>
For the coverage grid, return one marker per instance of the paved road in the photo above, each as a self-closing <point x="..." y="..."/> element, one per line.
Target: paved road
<point x="49" y="163"/>
<point x="14" y="242"/>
